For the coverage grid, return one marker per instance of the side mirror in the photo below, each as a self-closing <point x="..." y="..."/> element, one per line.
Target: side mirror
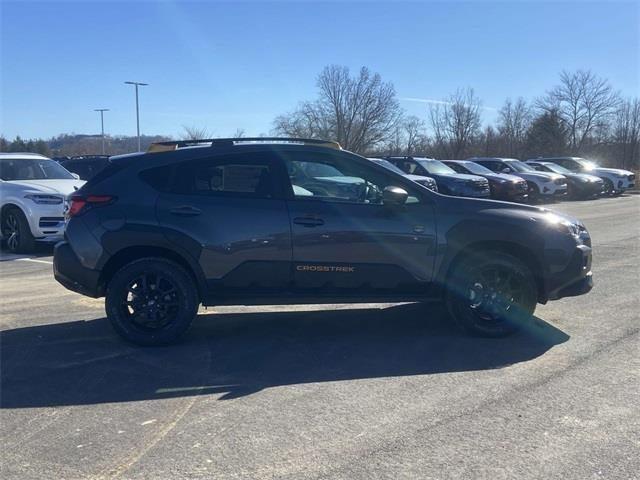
<point x="75" y="175"/>
<point x="394" y="196"/>
<point x="506" y="170"/>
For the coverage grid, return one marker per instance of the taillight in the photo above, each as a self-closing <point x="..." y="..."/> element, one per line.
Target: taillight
<point x="80" y="204"/>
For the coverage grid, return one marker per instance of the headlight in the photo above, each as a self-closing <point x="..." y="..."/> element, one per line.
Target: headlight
<point x="577" y="231"/>
<point x="44" y="199"/>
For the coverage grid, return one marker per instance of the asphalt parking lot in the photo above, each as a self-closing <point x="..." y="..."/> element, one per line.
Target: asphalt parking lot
<point x="373" y="391"/>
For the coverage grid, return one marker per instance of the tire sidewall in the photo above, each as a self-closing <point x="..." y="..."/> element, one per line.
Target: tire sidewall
<point x="117" y="289"/>
<point x="26" y="240"/>
<point x="462" y="277"/>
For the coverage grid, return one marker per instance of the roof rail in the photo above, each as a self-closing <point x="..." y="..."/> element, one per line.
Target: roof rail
<point x="230" y="142"/>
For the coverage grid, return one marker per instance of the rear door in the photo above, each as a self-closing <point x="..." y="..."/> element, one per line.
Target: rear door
<point x="230" y="212"/>
<point x="344" y="238"/>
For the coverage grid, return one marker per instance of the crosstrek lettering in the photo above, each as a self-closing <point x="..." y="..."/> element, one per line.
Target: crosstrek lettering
<point x="324" y="268"/>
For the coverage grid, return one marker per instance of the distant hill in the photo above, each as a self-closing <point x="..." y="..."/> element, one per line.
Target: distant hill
<point x="72" y="144"/>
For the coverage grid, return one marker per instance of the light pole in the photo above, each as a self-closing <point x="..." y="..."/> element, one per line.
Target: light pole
<point x="137" y="108"/>
<point x="102" y="110"/>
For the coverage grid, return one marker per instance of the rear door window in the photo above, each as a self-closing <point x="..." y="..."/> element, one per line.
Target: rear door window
<point x="242" y="175"/>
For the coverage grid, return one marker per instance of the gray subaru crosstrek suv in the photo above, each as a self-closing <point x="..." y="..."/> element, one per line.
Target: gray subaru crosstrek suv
<point x="285" y="221"/>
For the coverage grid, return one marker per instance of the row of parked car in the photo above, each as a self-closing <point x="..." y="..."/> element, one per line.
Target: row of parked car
<point x="34" y="188"/>
<point x="511" y="179"/>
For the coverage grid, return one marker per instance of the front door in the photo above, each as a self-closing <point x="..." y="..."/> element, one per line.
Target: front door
<point x="344" y="238"/>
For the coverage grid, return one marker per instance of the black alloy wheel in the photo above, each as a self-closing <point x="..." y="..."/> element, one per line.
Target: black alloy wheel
<point x="152" y="301"/>
<point x="492" y="294"/>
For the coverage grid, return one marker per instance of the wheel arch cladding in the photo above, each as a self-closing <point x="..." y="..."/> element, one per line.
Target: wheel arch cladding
<point x="7" y="207"/>
<point x="461" y="245"/>
<point x="132" y="253"/>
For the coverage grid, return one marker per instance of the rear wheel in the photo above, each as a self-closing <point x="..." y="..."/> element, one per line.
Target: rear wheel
<point x="151" y="301"/>
<point x="491" y="294"/>
<point x="16" y="232"/>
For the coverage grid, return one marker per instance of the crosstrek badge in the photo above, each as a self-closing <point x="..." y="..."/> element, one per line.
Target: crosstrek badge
<point x="324" y="268"/>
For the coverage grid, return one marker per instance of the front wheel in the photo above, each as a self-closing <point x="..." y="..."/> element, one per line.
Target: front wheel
<point x="534" y="192"/>
<point x="16" y="232"/>
<point x="491" y="294"/>
<point x="609" y="189"/>
<point x="151" y="301"/>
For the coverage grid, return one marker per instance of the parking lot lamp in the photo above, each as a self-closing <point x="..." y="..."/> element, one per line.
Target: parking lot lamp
<point x="137" y="84"/>
<point x="102" y="110"/>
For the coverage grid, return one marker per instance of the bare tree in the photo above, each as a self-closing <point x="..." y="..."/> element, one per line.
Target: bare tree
<point x="584" y="102"/>
<point x="514" y="119"/>
<point x="359" y="112"/>
<point x="455" y="122"/>
<point x="307" y="121"/>
<point x="626" y="132"/>
<point x="414" y="130"/>
<point x="194" y="133"/>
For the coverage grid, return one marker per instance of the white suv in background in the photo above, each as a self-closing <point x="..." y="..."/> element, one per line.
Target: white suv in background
<point x="616" y="180"/>
<point x="33" y="190"/>
<point x="541" y="184"/>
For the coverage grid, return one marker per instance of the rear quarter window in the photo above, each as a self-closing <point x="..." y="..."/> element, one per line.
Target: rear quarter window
<point x="159" y="178"/>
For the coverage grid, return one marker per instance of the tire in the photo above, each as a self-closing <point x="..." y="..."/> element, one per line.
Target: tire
<point x="608" y="187"/>
<point x="491" y="294"/>
<point x="534" y="192"/>
<point x="16" y="232"/>
<point x="151" y="301"/>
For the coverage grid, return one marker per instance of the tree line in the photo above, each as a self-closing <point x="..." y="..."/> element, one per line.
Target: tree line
<point x="581" y="115"/>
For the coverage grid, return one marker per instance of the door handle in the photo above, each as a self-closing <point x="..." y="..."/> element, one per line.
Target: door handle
<point x="308" y="221"/>
<point x="185" y="211"/>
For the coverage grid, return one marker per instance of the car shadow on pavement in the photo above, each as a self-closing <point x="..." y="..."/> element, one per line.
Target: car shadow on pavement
<point x="233" y="355"/>
<point x="41" y="250"/>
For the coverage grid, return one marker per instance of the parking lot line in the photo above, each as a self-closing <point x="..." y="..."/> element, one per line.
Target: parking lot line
<point x="35" y="260"/>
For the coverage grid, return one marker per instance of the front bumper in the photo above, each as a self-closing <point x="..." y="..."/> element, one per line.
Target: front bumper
<point x="472" y="193"/>
<point x="69" y="272"/>
<point x="575" y="279"/>
<point x="46" y="222"/>
<point x="554" y="190"/>
<point x="590" y="189"/>
<point x="512" y="195"/>
<point x="622" y="184"/>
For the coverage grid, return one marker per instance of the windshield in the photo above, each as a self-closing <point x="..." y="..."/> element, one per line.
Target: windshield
<point x="32" y="169"/>
<point x="477" y="169"/>
<point x="556" y="168"/>
<point x="520" y="167"/>
<point x="435" y="167"/>
<point x="586" y="164"/>
<point x="389" y="166"/>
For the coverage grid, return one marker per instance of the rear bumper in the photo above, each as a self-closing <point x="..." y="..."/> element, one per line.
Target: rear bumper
<point x="69" y="272"/>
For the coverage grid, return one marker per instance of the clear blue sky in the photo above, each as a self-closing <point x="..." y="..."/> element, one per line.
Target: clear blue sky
<point x="237" y="65"/>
